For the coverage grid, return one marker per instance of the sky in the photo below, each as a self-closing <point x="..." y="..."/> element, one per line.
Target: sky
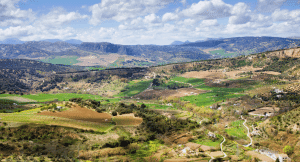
<point x="132" y="22"/>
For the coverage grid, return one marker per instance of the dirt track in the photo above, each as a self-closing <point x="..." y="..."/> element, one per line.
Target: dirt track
<point x="79" y="113"/>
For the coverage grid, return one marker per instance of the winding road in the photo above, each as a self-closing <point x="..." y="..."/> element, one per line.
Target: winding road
<point x="248" y="132"/>
<point x="221" y="150"/>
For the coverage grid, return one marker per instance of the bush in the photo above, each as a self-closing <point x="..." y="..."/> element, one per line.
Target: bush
<point x="100" y="110"/>
<point x="114" y="113"/>
<point x="288" y="149"/>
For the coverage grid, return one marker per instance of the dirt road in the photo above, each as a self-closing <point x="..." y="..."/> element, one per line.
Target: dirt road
<point x="248" y="132"/>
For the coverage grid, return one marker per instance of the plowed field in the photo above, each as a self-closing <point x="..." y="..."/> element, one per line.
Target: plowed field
<point x="127" y="119"/>
<point x="79" y="113"/>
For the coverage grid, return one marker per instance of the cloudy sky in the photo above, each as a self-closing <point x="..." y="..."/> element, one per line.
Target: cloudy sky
<point x="158" y="22"/>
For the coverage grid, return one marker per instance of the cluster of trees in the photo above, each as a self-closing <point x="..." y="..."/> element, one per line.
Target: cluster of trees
<point x="88" y="102"/>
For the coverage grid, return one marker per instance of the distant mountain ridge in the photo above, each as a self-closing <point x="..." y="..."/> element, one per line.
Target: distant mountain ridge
<point x="155" y="54"/>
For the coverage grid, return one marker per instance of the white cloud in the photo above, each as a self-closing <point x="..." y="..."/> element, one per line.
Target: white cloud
<point x="58" y="17"/>
<point x="286" y="15"/>
<point x="209" y="23"/>
<point x="208" y="9"/>
<point x="152" y="18"/>
<point x="266" y="6"/>
<point x="10" y="15"/>
<point x="170" y="17"/>
<point x="121" y="10"/>
<point x="241" y="14"/>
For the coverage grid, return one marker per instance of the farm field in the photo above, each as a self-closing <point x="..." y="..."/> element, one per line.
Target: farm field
<point x="43" y="97"/>
<point x="134" y="88"/>
<point x="80" y="113"/>
<point x="237" y="129"/>
<point x="66" y="60"/>
<point x="32" y="116"/>
<point x="213" y="95"/>
<point x="127" y="119"/>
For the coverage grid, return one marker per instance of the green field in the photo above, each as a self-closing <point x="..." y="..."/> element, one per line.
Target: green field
<point x="192" y="81"/>
<point x="208" y="142"/>
<point x="237" y="129"/>
<point x="205" y="99"/>
<point x="134" y="88"/>
<point x="66" y="60"/>
<point x="63" y="97"/>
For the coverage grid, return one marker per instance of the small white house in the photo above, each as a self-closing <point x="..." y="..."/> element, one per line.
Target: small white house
<point x="278" y="91"/>
<point x="211" y="134"/>
<point x="58" y="107"/>
<point x="15" y="104"/>
<point x="169" y="104"/>
<point x="283" y="157"/>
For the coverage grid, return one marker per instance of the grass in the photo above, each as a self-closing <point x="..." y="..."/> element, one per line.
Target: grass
<point x="61" y="97"/>
<point x="208" y="142"/>
<point x="205" y="99"/>
<point x="158" y="106"/>
<point x="69" y="60"/>
<point x="191" y="81"/>
<point x="146" y="149"/>
<point x="237" y="129"/>
<point x="31" y="116"/>
<point x="134" y="88"/>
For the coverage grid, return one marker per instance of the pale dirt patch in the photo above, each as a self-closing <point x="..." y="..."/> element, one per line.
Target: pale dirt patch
<point x="104" y="60"/>
<point x="154" y="94"/>
<point x="18" y="99"/>
<point x="210" y="49"/>
<point x="260" y="156"/>
<point x="216" y="153"/>
<point x="205" y="148"/>
<point x="80" y="113"/>
<point x="193" y="146"/>
<point x="128" y="119"/>
<point x="263" y="110"/>
<point x="271" y="72"/>
<point x="219" y="74"/>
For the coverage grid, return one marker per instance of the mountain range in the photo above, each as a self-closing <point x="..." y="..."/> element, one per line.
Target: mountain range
<point x="142" y="54"/>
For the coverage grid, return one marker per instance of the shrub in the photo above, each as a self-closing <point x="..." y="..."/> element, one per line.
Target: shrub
<point x="100" y="110"/>
<point x="114" y="113"/>
<point x="288" y="149"/>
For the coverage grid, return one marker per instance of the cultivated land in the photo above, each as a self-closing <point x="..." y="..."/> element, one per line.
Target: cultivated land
<point x="176" y="112"/>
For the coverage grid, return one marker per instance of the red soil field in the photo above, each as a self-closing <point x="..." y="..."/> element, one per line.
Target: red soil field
<point x="80" y="113"/>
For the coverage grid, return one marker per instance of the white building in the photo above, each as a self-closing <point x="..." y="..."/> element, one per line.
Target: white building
<point x="283" y="157"/>
<point x="211" y="134"/>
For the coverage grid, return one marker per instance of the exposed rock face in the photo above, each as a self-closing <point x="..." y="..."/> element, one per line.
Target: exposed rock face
<point x="293" y="52"/>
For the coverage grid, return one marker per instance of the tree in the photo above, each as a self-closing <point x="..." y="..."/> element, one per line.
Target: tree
<point x="277" y="160"/>
<point x="114" y="113"/>
<point x="288" y="149"/>
<point x="143" y="106"/>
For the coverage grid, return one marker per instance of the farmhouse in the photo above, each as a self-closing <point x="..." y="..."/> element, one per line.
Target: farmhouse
<point x="58" y="107"/>
<point x="283" y="157"/>
<point x="211" y="134"/>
